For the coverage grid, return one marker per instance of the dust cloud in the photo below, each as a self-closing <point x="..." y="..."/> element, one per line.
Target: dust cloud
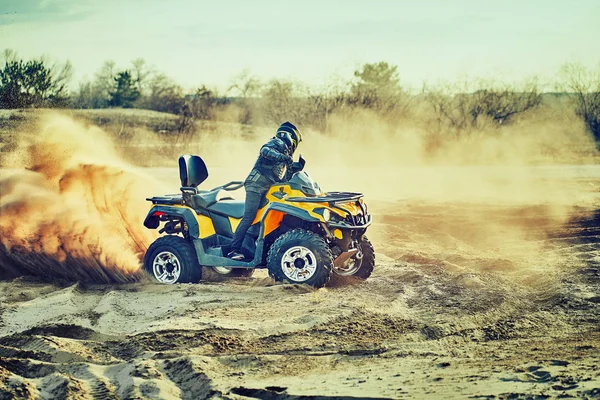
<point x="485" y="285"/>
<point x="70" y="208"/>
<point x="488" y="201"/>
<point x="394" y="159"/>
<point x="493" y="200"/>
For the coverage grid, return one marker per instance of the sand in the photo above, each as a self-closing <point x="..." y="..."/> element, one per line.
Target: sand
<point x="439" y="318"/>
<point x="486" y="285"/>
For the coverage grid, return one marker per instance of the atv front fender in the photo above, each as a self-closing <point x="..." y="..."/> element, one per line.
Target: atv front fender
<point x="273" y="216"/>
<point x="294" y="211"/>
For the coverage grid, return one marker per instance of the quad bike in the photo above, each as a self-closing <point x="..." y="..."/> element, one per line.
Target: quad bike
<point x="300" y="234"/>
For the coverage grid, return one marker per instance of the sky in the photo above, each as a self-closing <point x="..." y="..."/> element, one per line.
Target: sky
<point x="200" y="42"/>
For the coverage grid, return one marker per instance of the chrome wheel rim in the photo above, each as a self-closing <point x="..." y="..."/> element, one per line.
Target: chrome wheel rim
<point x="222" y="270"/>
<point x="166" y="267"/>
<point x="298" y="264"/>
<point x="351" y="266"/>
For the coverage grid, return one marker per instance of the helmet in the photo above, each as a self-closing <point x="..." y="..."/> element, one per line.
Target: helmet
<point x="290" y="135"/>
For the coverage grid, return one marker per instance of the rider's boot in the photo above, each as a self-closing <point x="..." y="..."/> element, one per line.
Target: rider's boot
<point x="236" y="255"/>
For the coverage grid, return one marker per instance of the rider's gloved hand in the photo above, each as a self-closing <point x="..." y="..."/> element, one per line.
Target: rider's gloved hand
<point x="285" y="158"/>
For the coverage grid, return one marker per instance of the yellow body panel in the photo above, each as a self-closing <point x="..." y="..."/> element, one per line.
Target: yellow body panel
<point x="234" y="223"/>
<point x="259" y="215"/>
<point x="338" y="234"/>
<point x="205" y="224"/>
<point x="351" y="207"/>
<point x="272" y="221"/>
<point x="289" y="192"/>
<point x="273" y="196"/>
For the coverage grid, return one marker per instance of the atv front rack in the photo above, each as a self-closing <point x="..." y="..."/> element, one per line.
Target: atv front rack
<point x="345" y="225"/>
<point x="331" y="197"/>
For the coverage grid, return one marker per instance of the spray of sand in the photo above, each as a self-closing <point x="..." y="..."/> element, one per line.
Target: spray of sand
<point x="70" y="208"/>
<point x="74" y="208"/>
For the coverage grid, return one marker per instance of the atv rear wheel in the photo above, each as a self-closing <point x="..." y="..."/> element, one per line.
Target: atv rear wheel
<point x="172" y="259"/>
<point x="300" y="256"/>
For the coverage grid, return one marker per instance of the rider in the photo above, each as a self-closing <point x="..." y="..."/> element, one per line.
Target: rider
<point x="274" y="160"/>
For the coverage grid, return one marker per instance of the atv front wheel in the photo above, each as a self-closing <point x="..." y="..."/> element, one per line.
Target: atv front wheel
<point x="300" y="256"/>
<point x="362" y="264"/>
<point x="367" y="259"/>
<point x="172" y="259"/>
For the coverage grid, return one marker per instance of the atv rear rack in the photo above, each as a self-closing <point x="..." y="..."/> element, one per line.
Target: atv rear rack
<point x="171" y="199"/>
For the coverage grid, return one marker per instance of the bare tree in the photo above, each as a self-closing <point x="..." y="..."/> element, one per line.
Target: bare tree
<point x="83" y="98"/>
<point x="469" y="105"/>
<point x="9" y="55"/>
<point x="103" y="84"/>
<point x="503" y="102"/>
<point x="162" y="94"/>
<point x="450" y="106"/>
<point x="324" y="102"/>
<point x="63" y="74"/>
<point x="140" y="72"/>
<point x="245" y="84"/>
<point x="584" y="84"/>
<point x="96" y="93"/>
<point x="283" y="100"/>
<point x="286" y="100"/>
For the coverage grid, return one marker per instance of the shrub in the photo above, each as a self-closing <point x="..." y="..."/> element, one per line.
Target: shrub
<point x="463" y="108"/>
<point x="33" y="84"/>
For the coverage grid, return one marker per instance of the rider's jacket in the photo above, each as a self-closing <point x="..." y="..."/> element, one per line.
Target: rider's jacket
<point x="272" y="163"/>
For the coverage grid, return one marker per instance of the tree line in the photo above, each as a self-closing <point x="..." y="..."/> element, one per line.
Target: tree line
<point x="455" y="108"/>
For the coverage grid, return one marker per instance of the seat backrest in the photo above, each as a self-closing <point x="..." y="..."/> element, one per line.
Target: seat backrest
<point x="192" y="171"/>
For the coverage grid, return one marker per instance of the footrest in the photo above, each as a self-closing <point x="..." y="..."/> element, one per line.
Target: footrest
<point x="215" y="251"/>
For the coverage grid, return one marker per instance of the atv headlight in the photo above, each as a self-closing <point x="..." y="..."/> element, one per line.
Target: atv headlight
<point x="325" y="213"/>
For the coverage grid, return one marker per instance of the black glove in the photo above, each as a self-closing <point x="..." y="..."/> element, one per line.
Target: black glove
<point x="296" y="167"/>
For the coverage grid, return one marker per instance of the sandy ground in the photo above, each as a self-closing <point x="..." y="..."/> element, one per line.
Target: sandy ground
<point x="469" y="299"/>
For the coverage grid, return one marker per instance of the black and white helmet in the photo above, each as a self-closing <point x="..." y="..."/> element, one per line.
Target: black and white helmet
<point x="290" y="135"/>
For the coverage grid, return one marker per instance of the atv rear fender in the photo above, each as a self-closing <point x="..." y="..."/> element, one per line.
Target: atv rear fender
<point x="160" y="213"/>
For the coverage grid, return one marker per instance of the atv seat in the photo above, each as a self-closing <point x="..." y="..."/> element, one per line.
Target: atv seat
<point x="205" y="199"/>
<point x="230" y="208"/>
